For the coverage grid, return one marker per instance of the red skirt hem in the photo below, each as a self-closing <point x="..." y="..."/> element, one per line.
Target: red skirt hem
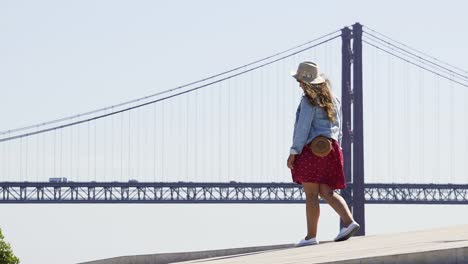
<point x="328" y="170"/>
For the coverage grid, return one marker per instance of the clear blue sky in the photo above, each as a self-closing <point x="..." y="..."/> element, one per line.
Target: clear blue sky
<point x="65" y="57"/>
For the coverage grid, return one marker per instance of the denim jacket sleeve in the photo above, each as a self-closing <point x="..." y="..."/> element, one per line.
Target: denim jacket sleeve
<point x="304" y="117"/>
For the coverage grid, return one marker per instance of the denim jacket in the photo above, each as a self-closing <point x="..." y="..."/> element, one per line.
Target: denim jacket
<point x="312" y="121"/>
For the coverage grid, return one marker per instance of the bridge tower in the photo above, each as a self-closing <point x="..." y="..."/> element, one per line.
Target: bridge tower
<point x="353" y="127"/>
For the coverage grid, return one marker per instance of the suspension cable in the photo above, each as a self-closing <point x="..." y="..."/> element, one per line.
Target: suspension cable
<point x="167" y="97"/>
<point x="420" y="52"/>
<point x="418" y="59"/>
<point x="411" y="62"/>
<point x="166" y="91"/>
<point x="465" y="77"/>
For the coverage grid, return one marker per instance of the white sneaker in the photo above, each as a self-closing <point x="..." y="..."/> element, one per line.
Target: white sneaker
<point x="307" y="242"/>
<point x="347" y="232"/>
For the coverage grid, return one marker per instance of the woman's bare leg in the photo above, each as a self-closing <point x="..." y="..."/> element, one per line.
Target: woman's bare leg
<point x="312" y="208"/>
<point x="337" y="203"/>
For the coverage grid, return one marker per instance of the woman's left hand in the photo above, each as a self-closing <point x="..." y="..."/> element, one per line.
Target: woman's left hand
<point x="291" y="159"/>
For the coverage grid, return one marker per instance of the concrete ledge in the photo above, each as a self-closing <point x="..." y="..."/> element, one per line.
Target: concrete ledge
<point x="449" y="256"/>
<point x="442" y="245"/>
<point x="185" y="256"/>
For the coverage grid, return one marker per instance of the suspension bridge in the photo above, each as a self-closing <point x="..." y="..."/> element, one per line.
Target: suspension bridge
<point x="225" y="138"/>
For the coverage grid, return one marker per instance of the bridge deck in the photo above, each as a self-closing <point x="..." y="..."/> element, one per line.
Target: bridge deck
<point x="444" y="245"/>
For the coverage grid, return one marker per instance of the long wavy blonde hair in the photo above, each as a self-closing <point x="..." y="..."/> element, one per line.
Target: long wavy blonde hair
<point x="320" y="95"/>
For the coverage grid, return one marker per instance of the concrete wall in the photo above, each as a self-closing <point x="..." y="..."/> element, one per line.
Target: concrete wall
<point x="184" y="256"/>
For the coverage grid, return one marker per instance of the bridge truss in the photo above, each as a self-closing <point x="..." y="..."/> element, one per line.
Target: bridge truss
<point x="202" y="192"/>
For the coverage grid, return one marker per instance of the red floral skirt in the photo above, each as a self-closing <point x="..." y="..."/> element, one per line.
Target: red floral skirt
<point x="327" y="170"/>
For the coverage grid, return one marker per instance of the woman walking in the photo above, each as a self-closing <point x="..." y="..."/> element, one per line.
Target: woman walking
<point x="315" y="159"/>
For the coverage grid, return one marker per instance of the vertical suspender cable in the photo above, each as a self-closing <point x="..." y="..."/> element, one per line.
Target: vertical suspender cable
<point x="26" y="154"/>
<point x="195" y="137"/>
<point x="61" y="154"/>
<point x="78" y="156"/>
<point x="130" y="149"/>
<point x="9" y="172"/>
<point x="436" y="124"/>
<point x="286" y="100"/>
<point x="277" y="130"/>
<point x="422" y="127"/>
<point x="252" y="144"/>
<point x="451" y="136"/>
<point x="389" y="121"/>
<point x="187" y="142"/>
<point x="219" y="131"/>
<point x="103" y="170"/>
<point x="163" y="121"/>
<point x="376" y="89"/>
<point x="155" y="136"/>
<point x="55" y="147"/>
<point x="89" y="153"/>
<point x="121" y="145"/>
<point x="228" y="128"/>
<point x="71" y="153"/>
<point x="95" y="142"/>
<point x="136" y="142"/>
<point x="260" y="122"/>
<point x="406" y="115"/>
<point x="20" y="167"/>
<point x="465" y="127"/>
<point x="44" y="155"/>
<point x="37" y="170"/>
<point x="112" y="155"/>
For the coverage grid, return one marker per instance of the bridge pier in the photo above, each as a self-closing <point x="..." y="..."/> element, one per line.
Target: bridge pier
<point x="358" y="131"/>
<point x="346" y="110"/>
<point x="353" y="136"/>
